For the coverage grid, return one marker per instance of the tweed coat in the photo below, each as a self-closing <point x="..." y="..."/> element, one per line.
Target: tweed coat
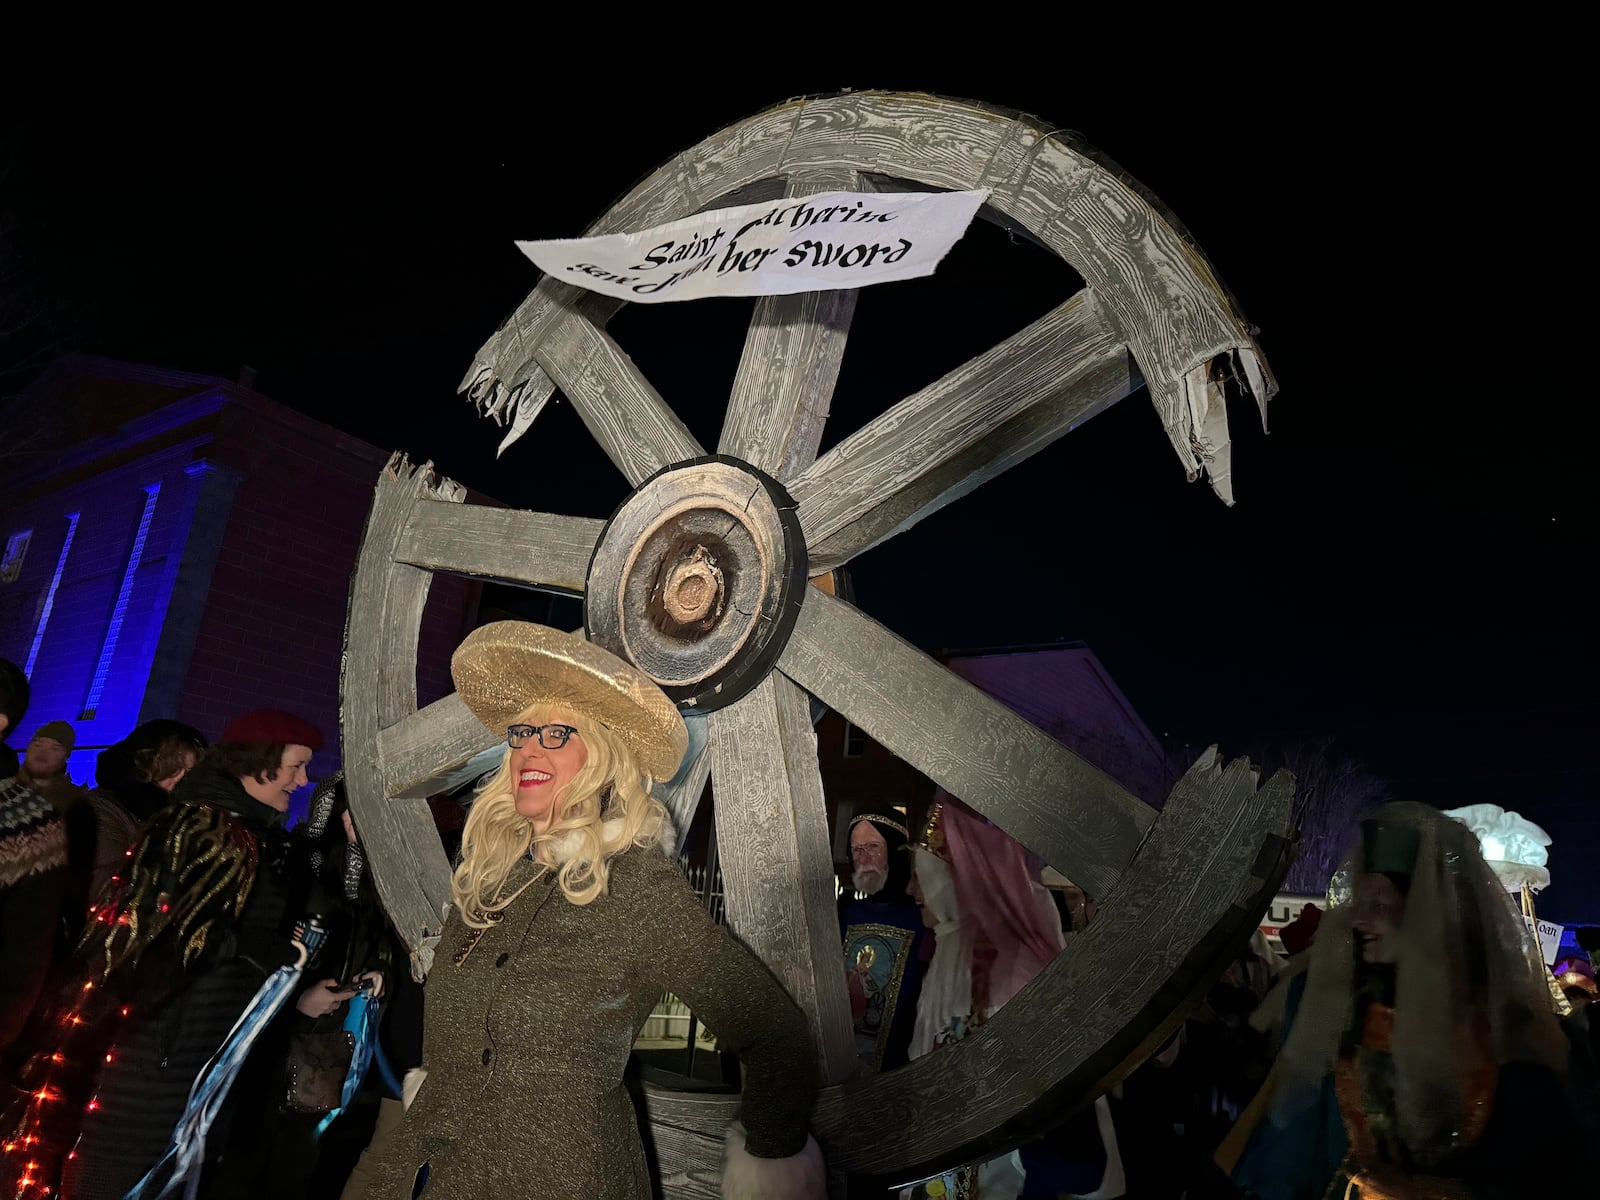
<point x="526" y="1041"/>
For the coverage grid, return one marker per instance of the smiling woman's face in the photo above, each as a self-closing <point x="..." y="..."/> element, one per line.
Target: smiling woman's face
<point x="540" y="777"/>
<point x="278" y="788"/>
<point x="1380" y="910"/>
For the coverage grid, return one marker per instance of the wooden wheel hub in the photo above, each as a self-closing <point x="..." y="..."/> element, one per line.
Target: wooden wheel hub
<point x="694" y="591"/>
<point x="697" y="579"/>
<point x="700" y="579"/>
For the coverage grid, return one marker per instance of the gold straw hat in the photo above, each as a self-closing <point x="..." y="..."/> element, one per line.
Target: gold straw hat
<point x="504" y="668"/>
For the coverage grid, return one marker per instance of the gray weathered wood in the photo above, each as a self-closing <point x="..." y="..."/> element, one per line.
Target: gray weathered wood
<point x="790" y="365"/>
<point x="963" y="429"/>
<point x="689" y="1164"/>
<point x="404" y="600"/>
<point x="1195" y="890"/>
<point x="624" y="413"/>
<point x="688" y="1130"/>
<point x="415" y="751"/>
<point x="1128" y="249"/>
<point x="533" y="548"/>
<point x="517" y="396"/>
<point x="682" y="799"/>
<point x="698" y="1112"/>
<point x="777" y="872"/>
<point x="1075" y="816"/>
<point x="386" y="599"/>
<point x="668" y="532"/>
<point x="1146" y="281"/>
<point x="1106" y="1002"/>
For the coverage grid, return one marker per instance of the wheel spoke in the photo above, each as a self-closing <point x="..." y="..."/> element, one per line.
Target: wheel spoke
<point x="777" y="867"/>
<point x="513" y="545"/>
<point x="1195" y="890"/>
<point x="424" y="754"/>
<point x="940" y="443"/>
<point x="1079" y="819"/>
<point x="683" y="792"/>
<point x="790" y="365"/>
<point x="505" y="380"/>
<point x="624" y="413"/>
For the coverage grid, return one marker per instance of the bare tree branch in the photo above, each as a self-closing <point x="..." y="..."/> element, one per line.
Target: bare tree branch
<point x="1333" y="788"/>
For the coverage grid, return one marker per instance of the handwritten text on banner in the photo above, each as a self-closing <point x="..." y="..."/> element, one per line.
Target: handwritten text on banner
<point x="805" y="244"/>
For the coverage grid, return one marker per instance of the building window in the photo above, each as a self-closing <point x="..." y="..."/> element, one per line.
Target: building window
<point x="16" y="551"/>
<point x="91" y="702"/>
<point x="50" y="593"/>
<point x="855" y="740"/>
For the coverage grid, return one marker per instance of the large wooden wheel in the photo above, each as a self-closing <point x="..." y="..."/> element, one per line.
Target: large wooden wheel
<point x="1179" y="890"/>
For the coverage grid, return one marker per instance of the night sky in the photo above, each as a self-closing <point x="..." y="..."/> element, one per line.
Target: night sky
<point x="1406" y="567"/>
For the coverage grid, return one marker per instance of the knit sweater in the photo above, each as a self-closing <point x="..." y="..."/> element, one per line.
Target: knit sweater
<point x="32" y="838"/>
<point x="33" y="865"/>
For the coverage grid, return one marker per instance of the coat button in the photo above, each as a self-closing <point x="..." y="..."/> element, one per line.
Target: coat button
<point x="487" y="1055"/>
<point x="502" y="960"/>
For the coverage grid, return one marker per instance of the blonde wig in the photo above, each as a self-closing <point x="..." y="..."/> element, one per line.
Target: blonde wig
<point x="606" y="810"/>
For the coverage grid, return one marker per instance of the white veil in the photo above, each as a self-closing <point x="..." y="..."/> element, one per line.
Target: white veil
<point x="1469" y="986"/>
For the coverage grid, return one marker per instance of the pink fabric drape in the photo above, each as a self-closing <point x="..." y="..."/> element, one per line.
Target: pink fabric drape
<point x="1015" y="927"/>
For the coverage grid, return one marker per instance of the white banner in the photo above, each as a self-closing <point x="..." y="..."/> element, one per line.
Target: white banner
<point x="1549" y="934"/>
<point x="807" y="244"/>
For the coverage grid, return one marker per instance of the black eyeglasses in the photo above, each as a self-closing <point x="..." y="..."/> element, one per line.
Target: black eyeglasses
<point x="551" y="737"/>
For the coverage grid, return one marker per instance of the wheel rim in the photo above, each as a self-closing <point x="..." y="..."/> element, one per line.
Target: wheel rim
<point x="1079" y="1025"/>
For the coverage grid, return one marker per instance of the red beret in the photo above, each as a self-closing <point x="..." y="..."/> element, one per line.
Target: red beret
<point x="1298" y="933"/>
<point x="268" y="725"/>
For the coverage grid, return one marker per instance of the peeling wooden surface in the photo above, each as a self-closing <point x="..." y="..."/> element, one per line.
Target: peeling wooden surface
<point x="790" y="365"/>
<point x="622" y="410"/>
<point x="1173" y="890"/>
<point x="1133" y="255"/>
<point x="378" y="690"/>
<point x="506" y="544"/>
<point x="1072" y="814"/>
<point x="776" y="860"/>
<point x="963" y="429"/>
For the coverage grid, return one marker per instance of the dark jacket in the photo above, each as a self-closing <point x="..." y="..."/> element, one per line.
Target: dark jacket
<point x="260" y="1148"/>
<point x="209" y="913"/>
<point x="33" y="867"/>
<point x="123" y="800"/>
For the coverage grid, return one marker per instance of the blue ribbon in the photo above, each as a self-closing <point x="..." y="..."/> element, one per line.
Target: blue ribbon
<point x="361" y="1022"/>
<point x="186" y="1151"/>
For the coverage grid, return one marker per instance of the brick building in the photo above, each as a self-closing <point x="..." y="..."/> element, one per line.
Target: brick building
<point x="181" y="546"/>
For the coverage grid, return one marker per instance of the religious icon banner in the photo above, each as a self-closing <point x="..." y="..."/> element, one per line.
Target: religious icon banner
<point x="875" y="966"/>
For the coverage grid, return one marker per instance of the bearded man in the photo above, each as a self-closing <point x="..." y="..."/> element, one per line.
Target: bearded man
<point x="886" y="944"/>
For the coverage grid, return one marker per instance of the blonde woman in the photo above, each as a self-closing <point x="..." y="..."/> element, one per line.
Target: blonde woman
<point x="569" y="923"/>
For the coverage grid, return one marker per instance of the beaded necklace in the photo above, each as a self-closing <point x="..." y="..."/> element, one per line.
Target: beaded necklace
<point x="475" y="932"/>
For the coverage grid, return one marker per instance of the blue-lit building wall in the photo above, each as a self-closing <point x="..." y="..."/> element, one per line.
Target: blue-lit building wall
<point x="66" y="642"/>
<point x="235" y="596"/>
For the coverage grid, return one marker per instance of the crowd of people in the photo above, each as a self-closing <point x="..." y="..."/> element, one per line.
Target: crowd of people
<point x="196" y="998"/>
